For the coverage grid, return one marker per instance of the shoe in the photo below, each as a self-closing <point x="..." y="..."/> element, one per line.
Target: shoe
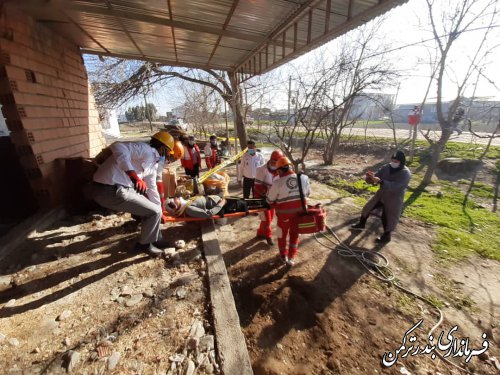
<point x="358" y="226"/>
<point x="284" y="259"/>
<point x="260" y="237"/>
<point x="385" y="238"/>
<point x="163" y="244"/>
<point x="149" y="249"/>
<point x="270" y="241"/>
<point x="290" y="262"/>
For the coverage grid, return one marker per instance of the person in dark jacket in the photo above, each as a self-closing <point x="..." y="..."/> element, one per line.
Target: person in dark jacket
<point x="393" y="179"/>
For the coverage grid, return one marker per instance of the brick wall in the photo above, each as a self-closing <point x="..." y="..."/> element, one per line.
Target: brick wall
<point x="46" y="102"/>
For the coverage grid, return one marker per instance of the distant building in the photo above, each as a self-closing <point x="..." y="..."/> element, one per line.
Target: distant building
<point x="371" y="106"/>
<point x="179" y="112"/>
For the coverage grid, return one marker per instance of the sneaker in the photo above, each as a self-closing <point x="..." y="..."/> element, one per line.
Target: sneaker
<point x="270" y="241"/>
<point x="385" y="238"/>
<point x="284" y="259"/>
<point x="290" y="262"/>
<point x="260" y="237"/>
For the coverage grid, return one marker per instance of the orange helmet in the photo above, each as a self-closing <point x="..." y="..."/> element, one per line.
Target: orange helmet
<point x="178" y="150"/>
<point x="276" y="155"/>
<point x="283" y="162"/>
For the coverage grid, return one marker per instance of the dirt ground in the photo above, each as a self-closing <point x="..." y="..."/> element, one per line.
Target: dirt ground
<point x="81" y="300"/>
<point x="76" y="297"/>
<point x="327" y="315"/>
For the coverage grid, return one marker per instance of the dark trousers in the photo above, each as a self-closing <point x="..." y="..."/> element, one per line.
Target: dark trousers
<point x="384" y="216"/>
<point x="195" y="172"/>
<point x="248" y="187"/>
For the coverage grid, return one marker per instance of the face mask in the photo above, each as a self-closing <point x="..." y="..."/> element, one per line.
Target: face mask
<point x="213" y="143"/>
<point x="191" y="143"/>
<point x="251" y="152"/>
<point x="394" y="165"/>
<point x="271" y="168"/>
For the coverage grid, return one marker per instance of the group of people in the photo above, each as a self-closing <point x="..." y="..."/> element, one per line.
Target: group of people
<point x="130" y="180"/>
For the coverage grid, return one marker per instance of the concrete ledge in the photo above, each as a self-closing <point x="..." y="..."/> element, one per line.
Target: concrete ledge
<point x="230" y="341"/>
<point x="37" y="222"/>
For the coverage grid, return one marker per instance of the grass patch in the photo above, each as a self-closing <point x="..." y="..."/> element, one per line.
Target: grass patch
<point x="454" y="294"/>
<point x="483" y="191"/>
<point x="462" y="229"/>
<point x="406" y="303"/>
<point x="435" y="300"/>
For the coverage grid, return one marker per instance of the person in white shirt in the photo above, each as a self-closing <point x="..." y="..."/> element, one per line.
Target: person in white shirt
<point x="128" y="181"/>
<point x="248" y="168"/>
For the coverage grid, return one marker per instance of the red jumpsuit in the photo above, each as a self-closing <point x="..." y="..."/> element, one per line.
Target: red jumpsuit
<point x="264" y="178"/>
<point x="285" y="198"/>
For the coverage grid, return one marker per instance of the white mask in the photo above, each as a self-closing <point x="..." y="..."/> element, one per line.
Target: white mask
<point x="394" y="165"/>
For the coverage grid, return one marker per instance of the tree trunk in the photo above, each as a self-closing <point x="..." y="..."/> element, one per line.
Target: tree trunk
<point x="237" y="105"/>
<point x="437" y="148"/>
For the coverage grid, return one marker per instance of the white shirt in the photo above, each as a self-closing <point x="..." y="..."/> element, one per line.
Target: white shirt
<point x="249" y="164"/>
<point x="127" y="156"/>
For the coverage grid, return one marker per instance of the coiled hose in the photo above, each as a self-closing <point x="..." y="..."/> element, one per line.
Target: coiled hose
<point x="378" y="266"/>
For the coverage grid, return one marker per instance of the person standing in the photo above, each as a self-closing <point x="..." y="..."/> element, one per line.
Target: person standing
<point x="284" y="197"/>
<point x="393" y="179"/>
<point x="248" y="169"/>
<point x="212" y="153"/>
<point x="191" y="161"/>
<point x="264" y="178"/>
<point x="127" y="181"/>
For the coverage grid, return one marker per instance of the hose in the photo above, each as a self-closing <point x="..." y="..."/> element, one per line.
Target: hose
<point x="377" y="265"/>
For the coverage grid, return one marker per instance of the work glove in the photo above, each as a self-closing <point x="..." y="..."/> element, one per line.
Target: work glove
<point x="139" y="185"/>
<point x="164" y="217"/>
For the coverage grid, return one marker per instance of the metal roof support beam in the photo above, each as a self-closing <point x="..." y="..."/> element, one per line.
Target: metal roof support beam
<point x="34" y="5"/>
<point x="327" y="15"/>
<point x="108" y="4"/>
<point x="224" y="27"/>
<point x="353" y="21"/>
<point x="158" y="60"/>
<point x="173" y="29"/>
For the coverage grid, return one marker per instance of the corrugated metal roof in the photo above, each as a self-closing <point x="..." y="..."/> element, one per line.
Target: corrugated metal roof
<point x="247" y="36"/>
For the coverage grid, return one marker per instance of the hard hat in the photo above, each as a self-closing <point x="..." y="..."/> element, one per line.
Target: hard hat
<point x="276" y="155"/>
<point x="165" y="138"/>
<point x="178" y="150"/>
<point x="283" y="162"/>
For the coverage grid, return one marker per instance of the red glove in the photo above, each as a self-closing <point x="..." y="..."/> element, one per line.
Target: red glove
<point x="164" y="217"/>
<point x="139" y="185"/>
<point x="161" y="191"/>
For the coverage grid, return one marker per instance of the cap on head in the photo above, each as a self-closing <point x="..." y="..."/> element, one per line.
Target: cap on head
<point x="283" y="162"/>
<point x="165" y="138"/>
<point x="277" y="154"/>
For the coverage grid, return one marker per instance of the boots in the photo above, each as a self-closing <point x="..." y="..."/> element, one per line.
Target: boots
<point x="149" y="249"/>
<point x="386" y="237"/>
<point x="361" y="224"/>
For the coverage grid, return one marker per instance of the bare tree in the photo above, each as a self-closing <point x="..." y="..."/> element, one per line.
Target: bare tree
<point x="356" y="70"/>
<point x="327" y="93"/>
<point x="115" y="81"/>
<point x="447" y="25"/>
<point x="201" y="107"/>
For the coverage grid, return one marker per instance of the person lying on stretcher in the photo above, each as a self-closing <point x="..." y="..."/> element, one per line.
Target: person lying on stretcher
<point x="205" y="207"/>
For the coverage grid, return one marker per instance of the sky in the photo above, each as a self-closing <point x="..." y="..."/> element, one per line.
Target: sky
<point x="404" y="28"/>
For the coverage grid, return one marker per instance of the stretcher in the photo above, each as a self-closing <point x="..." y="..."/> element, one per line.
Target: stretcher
<point x="175" y="219"/>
